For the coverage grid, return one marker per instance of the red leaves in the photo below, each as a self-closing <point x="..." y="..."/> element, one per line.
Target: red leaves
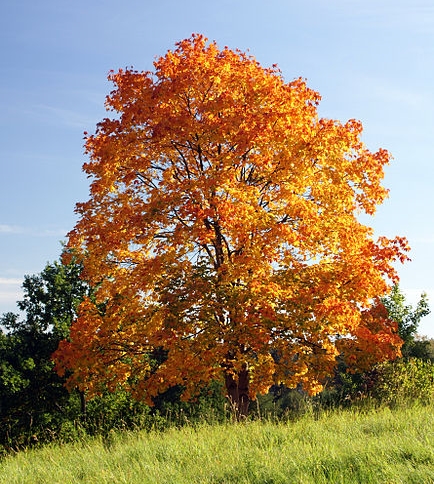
<point x="374" y="340"/>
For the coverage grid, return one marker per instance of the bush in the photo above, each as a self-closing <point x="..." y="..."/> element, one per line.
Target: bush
<point x="404" y="381"/>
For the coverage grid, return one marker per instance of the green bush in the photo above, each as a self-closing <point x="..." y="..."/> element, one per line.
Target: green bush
<point x="404" y="381"/>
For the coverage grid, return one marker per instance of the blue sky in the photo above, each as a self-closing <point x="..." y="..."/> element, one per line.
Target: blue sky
<point x="371" y="60"/>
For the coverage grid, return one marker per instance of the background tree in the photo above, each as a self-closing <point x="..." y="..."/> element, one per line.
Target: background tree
<point x="360" y="373"/>
<point x="32" y="396"/>
<point x="222" y="232"/>
<point x="408" y="320"/>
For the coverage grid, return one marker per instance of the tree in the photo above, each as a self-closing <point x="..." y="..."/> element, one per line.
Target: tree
<point x="32" y="396"/>
<point x="408" y="320"/>
<point x="376" y="340"/>
<point x="222" y="232"/>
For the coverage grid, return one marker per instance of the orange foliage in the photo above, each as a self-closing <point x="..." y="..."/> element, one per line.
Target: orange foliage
<point x="374" y="341"/>
<point x="222" y="230"/>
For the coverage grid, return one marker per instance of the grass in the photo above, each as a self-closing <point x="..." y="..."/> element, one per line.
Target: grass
<point x="381" y="446"/>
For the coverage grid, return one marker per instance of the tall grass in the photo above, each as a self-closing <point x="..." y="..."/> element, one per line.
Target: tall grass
<point x="378" y="446"/>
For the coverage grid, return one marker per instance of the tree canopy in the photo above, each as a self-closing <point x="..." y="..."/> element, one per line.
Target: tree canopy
<point x="222" y="233"/>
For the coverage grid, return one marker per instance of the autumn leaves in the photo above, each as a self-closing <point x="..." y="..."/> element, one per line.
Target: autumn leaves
<point x="223" y="221"/>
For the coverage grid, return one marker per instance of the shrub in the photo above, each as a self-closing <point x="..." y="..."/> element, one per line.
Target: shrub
<point x="404" y="381"/>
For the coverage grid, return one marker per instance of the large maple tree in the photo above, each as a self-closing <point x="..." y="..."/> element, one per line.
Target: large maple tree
<point x="222" y="234"/>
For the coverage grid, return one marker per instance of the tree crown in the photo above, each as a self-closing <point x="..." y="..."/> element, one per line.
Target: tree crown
<point x="222" y="231"/>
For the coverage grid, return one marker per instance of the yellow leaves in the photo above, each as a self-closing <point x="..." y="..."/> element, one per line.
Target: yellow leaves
<point x="261" y="373"/>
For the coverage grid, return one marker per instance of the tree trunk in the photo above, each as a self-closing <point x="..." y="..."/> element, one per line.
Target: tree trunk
<point x="237" y="387"/>
<point x="83" y="405"/>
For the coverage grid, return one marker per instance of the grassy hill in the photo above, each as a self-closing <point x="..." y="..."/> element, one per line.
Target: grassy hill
<point x="380" y="446"/>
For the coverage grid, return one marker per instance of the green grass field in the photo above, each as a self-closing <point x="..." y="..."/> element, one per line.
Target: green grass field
<point x="378" y="446"/>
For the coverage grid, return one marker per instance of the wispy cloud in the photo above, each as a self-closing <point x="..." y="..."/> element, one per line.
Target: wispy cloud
<point x="66" y="117"/>
<point x="48" y="232"/>
<point x="10" y="293"/>
<point x="10" y="229"/>
<point x="10" y="281"/>
<point x="6" y="229"/>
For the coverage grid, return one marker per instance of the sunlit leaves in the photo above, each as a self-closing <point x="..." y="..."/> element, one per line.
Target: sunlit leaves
<point x="221" y="231"/>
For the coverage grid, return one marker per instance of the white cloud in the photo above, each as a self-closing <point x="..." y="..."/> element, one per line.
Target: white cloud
<point x="10" y="293"/>
<point x="49" y="232"/>
<point x="9" y="281"/>
<point x="6" y="229"/>
<point x="10" y="229"/>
